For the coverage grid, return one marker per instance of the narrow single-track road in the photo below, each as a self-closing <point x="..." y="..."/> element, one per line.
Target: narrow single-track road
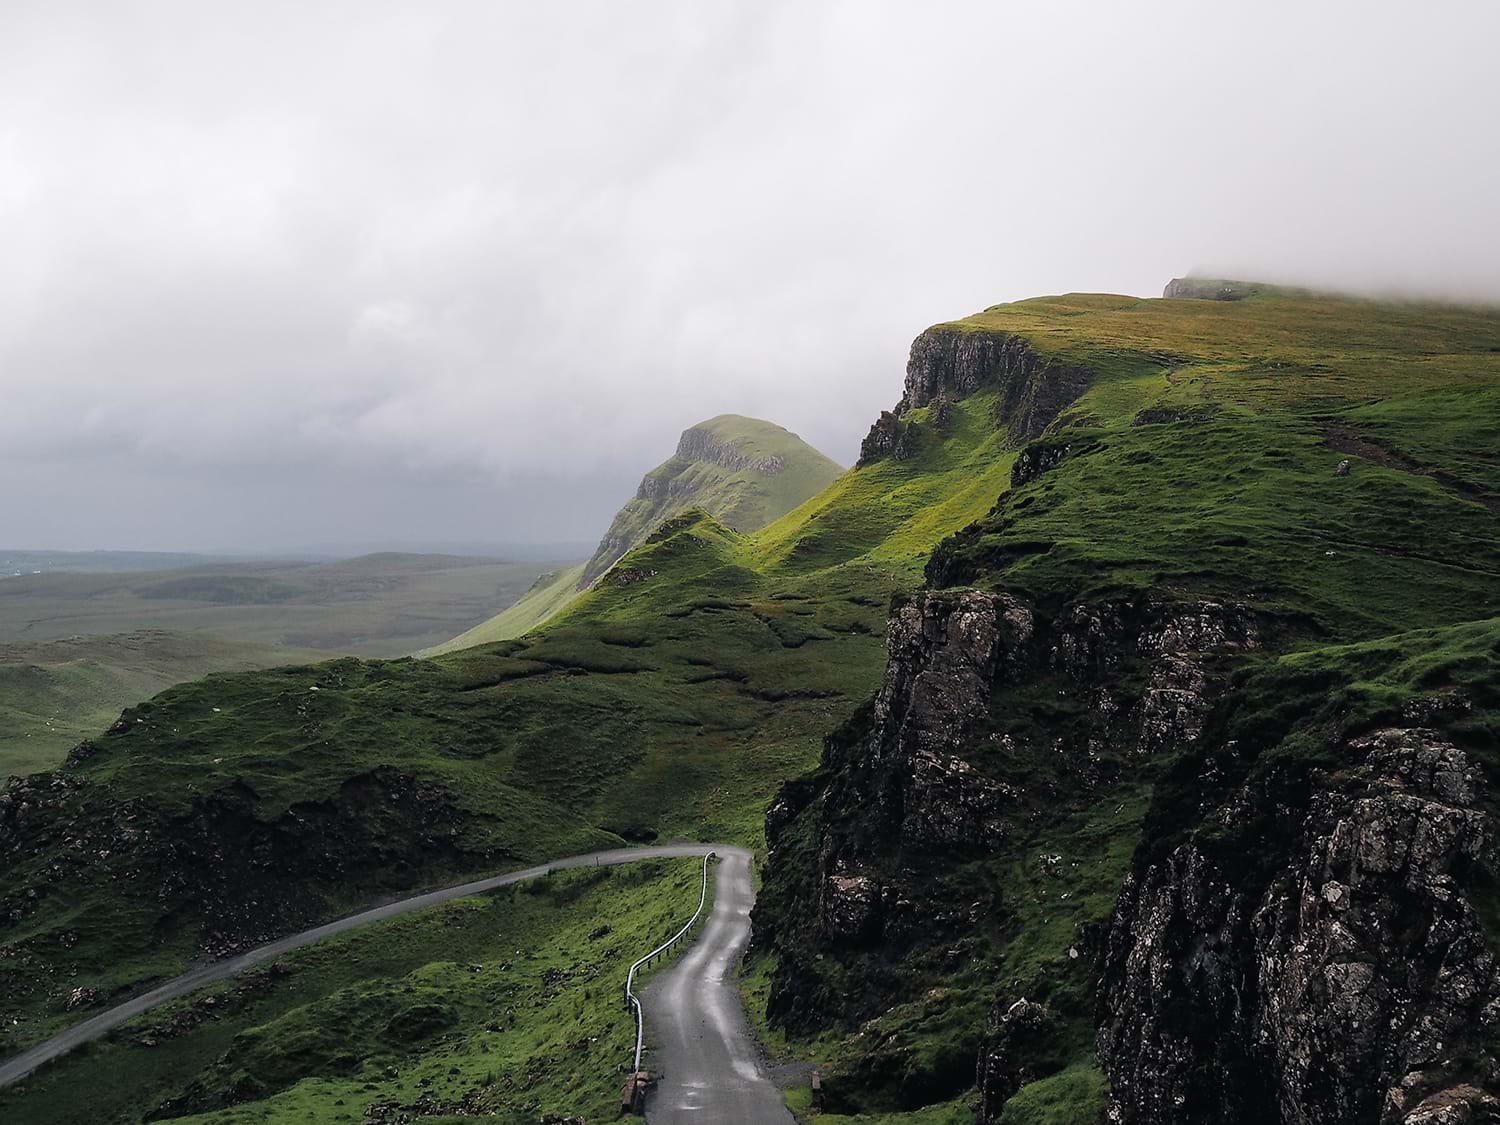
<point x="92" y="1028"/>
<point x="700" y="1045"/>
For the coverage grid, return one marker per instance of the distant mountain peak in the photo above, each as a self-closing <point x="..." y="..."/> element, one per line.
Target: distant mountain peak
<point x="745" y="472"/>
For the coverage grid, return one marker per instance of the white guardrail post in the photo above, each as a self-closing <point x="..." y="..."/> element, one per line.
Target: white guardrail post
<point x="634" y="1001"/>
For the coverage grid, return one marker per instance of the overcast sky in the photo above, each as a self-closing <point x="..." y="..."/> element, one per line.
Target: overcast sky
<point x="283" y="275"/>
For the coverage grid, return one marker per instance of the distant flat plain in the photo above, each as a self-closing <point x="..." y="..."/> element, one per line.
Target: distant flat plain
<point x="80" y="641"/>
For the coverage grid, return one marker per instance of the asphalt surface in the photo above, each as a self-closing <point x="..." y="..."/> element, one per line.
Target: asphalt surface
<point x="698" y="1042"/>
<point x="95" y="1026"/>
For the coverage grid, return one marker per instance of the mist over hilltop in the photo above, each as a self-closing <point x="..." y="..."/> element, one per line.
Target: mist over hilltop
<point x="285" y="275"/>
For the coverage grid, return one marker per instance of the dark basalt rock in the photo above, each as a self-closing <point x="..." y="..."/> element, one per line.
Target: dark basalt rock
<point x="1036" y="459"/>
<point x="890" y="436"/>
<point x="80" y="754"/>
<point x="1018" y="1032"/>
<point x="948" y="363"/>
<point x="860" y="850"/>
<point x="1206" y="289"/>
<point x="1168" y="415"/>
<point x="1356" y="985"/>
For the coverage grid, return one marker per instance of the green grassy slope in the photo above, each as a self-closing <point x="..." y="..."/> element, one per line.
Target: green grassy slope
<point x="497" y="1005"/>
<point x="1201" y="464"/>
<point x="53" y="694"/>
<point x="547" y="597"/>
<point x="670" y="699"/>
<point x="707" y="665"/>
<point x="742" y="471"/>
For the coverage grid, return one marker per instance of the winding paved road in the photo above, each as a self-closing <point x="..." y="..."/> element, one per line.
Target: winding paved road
<point x="699" y="1044"/>
<point x="95" y="1026"/>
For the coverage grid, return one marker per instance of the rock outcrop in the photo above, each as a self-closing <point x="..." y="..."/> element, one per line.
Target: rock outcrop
<point x="949" y="764"/>
<point x="949" y="363"/>
<point x="701" y="444"/>
<point x="1206" y="289"/>
<point x="1355" y="984"/>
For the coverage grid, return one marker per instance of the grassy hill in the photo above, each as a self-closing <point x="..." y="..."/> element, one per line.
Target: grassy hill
<point x="54" y="694"/>
<point x="84" y="637"/>
<point x="1080" y="454"/>
<point x="547" y="597"/>
<point x="742" y="471"/>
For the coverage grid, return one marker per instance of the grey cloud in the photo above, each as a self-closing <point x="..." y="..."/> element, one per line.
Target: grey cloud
<point x="466" y="269"/>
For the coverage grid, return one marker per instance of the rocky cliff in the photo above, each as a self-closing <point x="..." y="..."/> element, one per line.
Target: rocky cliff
<point x="992" y="719"/>
<point x="1171" y="807"/>
<point x="1296" y="941"/>
<point x="1343" y="976"/>
<point x="950" y="362"/>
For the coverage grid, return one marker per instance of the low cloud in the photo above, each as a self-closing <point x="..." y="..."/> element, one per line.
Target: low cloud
<point x="283" y="273"/>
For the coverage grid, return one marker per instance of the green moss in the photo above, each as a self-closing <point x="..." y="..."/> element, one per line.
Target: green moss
<point x="1073" y="1096"/>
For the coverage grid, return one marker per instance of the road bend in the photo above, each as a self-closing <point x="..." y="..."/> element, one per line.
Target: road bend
<point x="700" y="1045"/>
<point x="12" y="1070"/>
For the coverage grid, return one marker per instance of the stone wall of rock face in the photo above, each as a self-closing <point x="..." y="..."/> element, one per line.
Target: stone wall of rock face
<point x="949" y="363"/>
<point x="1356" y="986"/>
<point x="1330" y="968"/>
<point x="700" y="445"/>
<point x="909" y="792"/>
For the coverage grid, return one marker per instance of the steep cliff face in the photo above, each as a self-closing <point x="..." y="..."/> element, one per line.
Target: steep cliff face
<point x="1300" y="938"/>
<point x="742" y="471"/>
<point x="1346" y="977"/>
<point x="1173" y="804"/>
<point x="948" y="362"/>
<point x="992" y="723"/>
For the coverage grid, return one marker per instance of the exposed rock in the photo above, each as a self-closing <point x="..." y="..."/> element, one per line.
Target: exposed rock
<point x="701" y="445"/>
<point x="81" y="998"/>
<point x="1037" y="458"/>
<point x="942" y="649"/>
<point x="1014" y="1034"/>
<point x="949" y="802"/>
<point x="850" y="906"/>
<point x="1168" y="415"/>
<point x="81" y="753"/>
<point x="1342" y="470"/>
<point x="949" y="363"/>
<point x="922" y="780"/>
<point x="1353" y="987"/>
<point x="1174" y="705"/>
<point x="1207" y="289"/>
<point x="890" y="436"/>
<point x="941" y="414"/>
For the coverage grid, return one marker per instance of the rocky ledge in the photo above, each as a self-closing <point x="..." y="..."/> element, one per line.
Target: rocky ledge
<point x="1355" y="985"/>
<point x="948" y="363"/>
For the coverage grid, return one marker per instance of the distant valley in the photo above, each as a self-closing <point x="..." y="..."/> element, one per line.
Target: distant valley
<point x="86" y="637"/>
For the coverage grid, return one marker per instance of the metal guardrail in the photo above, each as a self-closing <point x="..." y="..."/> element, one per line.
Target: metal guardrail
<point x="634" y="1001"/>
